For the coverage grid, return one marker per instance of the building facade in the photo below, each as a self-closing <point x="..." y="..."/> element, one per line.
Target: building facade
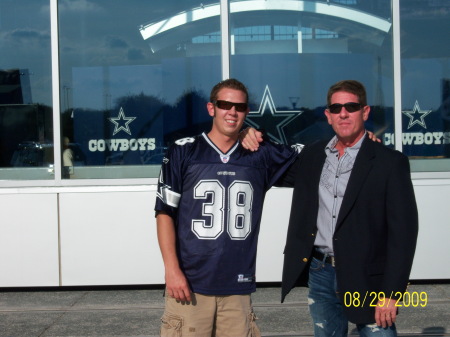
<point x="92" y="92"/>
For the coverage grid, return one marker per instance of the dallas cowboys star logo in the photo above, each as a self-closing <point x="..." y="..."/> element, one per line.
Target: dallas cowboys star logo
<point x="416" y="116"/>
<point x="271" y="120"/>
<point x="120" y="119"/>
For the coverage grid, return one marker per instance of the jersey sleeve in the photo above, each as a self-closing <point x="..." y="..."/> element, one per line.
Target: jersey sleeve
<point x="279" y="158"/>
<point x="170" y="182"/>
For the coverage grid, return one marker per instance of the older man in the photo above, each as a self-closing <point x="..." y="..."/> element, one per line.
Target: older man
<point x="353" y="225"/>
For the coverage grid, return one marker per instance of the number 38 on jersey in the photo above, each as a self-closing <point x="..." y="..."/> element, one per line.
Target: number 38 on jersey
<point x="238" y="197"/>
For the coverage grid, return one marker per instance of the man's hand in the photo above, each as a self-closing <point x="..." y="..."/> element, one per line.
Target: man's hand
<point x="177" y="285"/>
<point x="176" y="282"/>
<point x="386" y="312"/>
<point x="373" y="137"/>
<point x="250" y="138"/>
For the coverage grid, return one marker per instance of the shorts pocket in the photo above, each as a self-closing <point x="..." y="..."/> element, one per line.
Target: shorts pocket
<point x="254" y="330"/>
<point x="171" y="325"/>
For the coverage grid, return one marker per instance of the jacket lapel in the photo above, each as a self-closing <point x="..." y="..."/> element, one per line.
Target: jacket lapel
<point x="361" y="169"/>
<point x="318" y="162"/>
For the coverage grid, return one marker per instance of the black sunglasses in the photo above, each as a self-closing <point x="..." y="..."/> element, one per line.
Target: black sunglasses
<point x="225" y="105"/>
<point x="350" y="107"/>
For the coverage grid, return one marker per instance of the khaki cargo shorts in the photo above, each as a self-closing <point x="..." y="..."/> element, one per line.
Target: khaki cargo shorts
<point x="207" y="316"/>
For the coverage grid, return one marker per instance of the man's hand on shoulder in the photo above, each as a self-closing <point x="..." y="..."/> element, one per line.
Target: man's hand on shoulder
<point x="250" y="138"/>
<point x="372" y="136"/>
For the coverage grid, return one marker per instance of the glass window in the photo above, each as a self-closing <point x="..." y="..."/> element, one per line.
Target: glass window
<point x="26" y="127"/>
<point x="308" y="46"/>
<point x="425" y="59"/>
<point x="135" y="76"/>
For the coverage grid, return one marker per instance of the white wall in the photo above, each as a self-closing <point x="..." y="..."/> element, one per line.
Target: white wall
<point x="274" y="224"/>
<point x="107" y="235"/>
<point x="433" y="248"/>
<point x="29" y="240"/>
<point x="109" y="238"/>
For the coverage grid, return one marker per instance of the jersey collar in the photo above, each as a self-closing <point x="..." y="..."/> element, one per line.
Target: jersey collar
<point x="225" y="157"/>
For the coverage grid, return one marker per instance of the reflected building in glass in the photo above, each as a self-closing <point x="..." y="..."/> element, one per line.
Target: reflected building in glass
<point x="127" y="77"/>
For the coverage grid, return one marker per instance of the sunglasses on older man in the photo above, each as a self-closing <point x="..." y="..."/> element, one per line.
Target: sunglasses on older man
<point x="350" y="107"/>
<point x="225" y="105"/>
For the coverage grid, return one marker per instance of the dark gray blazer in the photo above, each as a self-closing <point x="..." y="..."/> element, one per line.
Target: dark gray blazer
<point x="376" y="230"/>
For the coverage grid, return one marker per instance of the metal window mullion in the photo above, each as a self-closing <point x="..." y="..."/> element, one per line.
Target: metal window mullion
<point x="225" y="34"/>
<point x="55" y="91"/>
<point x="397" y="75"/>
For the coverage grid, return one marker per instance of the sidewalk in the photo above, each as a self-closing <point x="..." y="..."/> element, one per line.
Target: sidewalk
<point x="136" y="312"/>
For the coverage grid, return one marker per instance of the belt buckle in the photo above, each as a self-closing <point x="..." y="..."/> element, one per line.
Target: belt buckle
<point x="333" y="264"/>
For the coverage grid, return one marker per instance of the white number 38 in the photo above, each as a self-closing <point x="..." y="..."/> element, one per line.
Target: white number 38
<point x="238" y="197"/>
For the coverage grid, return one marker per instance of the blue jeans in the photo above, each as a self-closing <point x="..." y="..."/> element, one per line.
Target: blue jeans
<point x="327" y="311"/>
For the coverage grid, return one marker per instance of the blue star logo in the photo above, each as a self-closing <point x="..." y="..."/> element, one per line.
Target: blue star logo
<point x="270" y="120"/>
<point x="417" y="116"/>
<point x="119" y="124"/>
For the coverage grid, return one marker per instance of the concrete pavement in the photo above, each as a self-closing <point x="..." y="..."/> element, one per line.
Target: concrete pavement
<point x="136" y="312"/>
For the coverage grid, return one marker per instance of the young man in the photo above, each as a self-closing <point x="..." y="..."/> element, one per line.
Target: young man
<point x="209" y="205"/>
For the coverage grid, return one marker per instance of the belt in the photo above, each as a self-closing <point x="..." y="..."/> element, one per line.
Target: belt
<point x="324" y="257"/>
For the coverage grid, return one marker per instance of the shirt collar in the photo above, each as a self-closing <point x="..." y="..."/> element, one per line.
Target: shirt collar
<point x="352" y="151"/>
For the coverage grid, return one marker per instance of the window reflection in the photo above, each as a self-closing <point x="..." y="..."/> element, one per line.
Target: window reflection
<point x="289" y="67"/>
<point x="426" y="83"/>
<point x="25" y="140"/>
<point x="26" y="130"/>
<point x="125" y="97"/>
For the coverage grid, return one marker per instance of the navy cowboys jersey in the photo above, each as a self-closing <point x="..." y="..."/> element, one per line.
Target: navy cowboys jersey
<point x="216" y="201"/>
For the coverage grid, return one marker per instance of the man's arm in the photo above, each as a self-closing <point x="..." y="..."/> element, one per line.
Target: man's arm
<point x="402" y="222"/>
<point x="176" y="282"/>
<point x="250" y="138"/>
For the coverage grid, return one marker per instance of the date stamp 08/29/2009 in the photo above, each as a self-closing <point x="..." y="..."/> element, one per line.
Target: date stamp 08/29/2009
<point x="373" y="299"/>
